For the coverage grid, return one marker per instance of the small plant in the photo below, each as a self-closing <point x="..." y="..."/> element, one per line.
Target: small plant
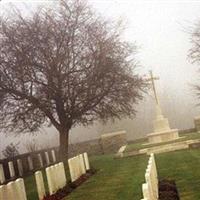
<point x="11" y="150"/>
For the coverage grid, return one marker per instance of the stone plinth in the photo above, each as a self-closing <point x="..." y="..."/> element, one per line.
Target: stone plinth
<point x="162" y="131"/>
<point x="197" y="123"/>
<point x="111" y="142"/>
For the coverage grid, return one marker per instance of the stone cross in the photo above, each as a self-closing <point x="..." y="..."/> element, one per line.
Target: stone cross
<point x="153" y="79"/>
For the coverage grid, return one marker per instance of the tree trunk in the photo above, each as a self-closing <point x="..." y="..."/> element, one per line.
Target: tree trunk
<point x="64" y="140"/>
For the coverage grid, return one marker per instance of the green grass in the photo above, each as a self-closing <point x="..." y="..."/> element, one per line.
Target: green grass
<point x="139" y="145"/>
<point x="115" y="180"/>
<point x="184" y="168"/>
<point x="121" y="179"/>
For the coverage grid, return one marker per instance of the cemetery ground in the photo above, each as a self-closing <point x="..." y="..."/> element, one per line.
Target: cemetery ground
<point x="121" y="179"/>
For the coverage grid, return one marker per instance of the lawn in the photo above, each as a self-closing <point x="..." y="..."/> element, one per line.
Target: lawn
<point x="121" y="179"/>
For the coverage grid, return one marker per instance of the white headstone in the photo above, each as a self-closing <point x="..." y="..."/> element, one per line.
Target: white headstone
<point x="40" y="185"/>
<point x="3" y="193"/>
<point x="62" y="174"/>
<point x="71" y="169"/>
<point x="11" y="169"/>
<point x="2" y="175"/>
<point x="53" y="155"/>
<point x="86" y="160"/>
<point x="47" y="158"/>
<point x="11" y="191"/>
<point x="82" y="164"/>
<point x="145" y="191"/>
<point x="30" y="163"/>
<point x="40" y="160"/>
<point x="20" y="167"/>
<point x="50" y="180"/>
<point x="20" y="189"/>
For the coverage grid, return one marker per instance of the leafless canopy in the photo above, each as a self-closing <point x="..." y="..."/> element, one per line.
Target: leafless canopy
<point x="65" y="66"/>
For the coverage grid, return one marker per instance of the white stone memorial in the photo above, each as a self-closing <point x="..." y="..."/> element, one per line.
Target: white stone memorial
<point x="50" y="180"/>
<point x="47" y="158"/>
<point x="53" y="155"/>
<point x="150" y="188"/>
<point x="11" y="191"/>
<point x="63" y="181"/>
<point x="3" y="193"/>
<point x="20" y="167"/>
<point x="86" y="160"/>
<point x="40" y="160"/>
<point x="2" y="175"/>
<point x="11" y="169"/>
<point x="30" y="163"/>
<point x="20" y="189"/>
<point x="161" y="129"/>
<point x="40" y="185"/>
<point x="82" y="164"/>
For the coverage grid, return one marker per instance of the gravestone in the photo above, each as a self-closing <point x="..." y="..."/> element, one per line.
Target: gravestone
<point x="53" y="155"/>
<point x="40" y="160"/>
<point x="86" y="160"/>
<point x="2" y="175"/>
<point x="50" y="180"/>
<point x="47" y="158"/>
<point x="11" y="191"/>
<point x="111" y="142"/>
<point x="30" y="163"/>
<point x="20" y="167"/>
<point x="11" y="169"/>
<point x="71" y="163"/>
<point x="82" y="164"/>
<point x="63" y="181"/>
<point x="40" y="185"/>
<point x="197" y="123"/>
<point x="3" y="193"/>
<point x="20" y="189"/>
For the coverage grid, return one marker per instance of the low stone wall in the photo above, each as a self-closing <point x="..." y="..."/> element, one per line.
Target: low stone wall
<point x="111" y="142"/>
<point x="197" y="123"/>
<point x="92" y="147"/>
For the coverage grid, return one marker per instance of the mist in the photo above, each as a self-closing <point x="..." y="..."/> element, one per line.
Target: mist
<point x="161" y="30"/>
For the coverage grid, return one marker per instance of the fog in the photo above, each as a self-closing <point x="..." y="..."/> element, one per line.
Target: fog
<point x="161" y="31"/>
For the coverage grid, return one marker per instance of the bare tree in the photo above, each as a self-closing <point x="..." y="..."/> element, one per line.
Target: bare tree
<point x="65" y="66"/>
<point x="194" y="52"/>
<point x="31" y="146"/>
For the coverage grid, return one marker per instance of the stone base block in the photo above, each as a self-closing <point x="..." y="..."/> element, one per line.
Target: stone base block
<point x="164" y="136"/>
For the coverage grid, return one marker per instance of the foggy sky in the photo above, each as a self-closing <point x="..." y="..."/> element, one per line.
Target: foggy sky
<point x="160" y="29"/>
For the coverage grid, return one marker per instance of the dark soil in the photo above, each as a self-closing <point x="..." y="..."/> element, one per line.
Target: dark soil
<point x="60" y="194"/>
<point x="168" y="190"/>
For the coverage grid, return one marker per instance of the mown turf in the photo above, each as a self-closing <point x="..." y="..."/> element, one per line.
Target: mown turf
<point x="115" y="180"/>
<point x="184" y="167"/>
<point x="121" y="179"/>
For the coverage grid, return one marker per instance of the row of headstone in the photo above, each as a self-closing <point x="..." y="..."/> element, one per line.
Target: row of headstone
<point x="14" y="190"/>
<point x="30" y="165"/>
<point x="78" y="166"/>
<point x="150" y="188"/>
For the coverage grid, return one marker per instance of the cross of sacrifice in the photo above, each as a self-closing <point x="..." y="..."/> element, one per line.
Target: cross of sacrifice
<point x="153" y="79"/>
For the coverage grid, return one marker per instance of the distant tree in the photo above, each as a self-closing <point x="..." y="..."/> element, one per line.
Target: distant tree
<point x="31" y="146"/>
<point x="65" y="66"/>
<point x="194" y="52"/>
<point x="11" y="150"/>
